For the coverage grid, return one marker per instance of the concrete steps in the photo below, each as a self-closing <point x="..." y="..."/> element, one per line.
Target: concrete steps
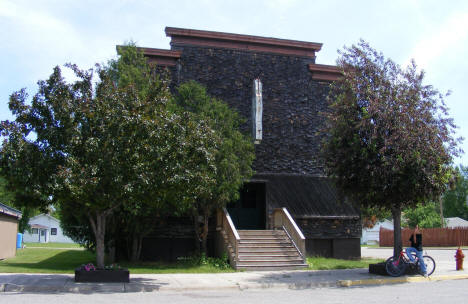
<point x="267" y="250"/>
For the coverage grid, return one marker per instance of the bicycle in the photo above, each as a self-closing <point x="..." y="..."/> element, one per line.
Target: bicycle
<point x="396" y="268"/>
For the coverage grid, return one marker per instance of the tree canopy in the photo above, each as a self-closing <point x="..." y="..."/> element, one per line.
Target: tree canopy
<point x="105" y="144"/>
<point x="390" y="141"/>
<point x="455" y="200"/>
<point x="233" y="158"/>
<point x="425" y="216"/>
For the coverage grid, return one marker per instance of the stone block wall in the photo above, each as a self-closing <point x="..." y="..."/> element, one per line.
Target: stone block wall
<point x="292" y="101"/>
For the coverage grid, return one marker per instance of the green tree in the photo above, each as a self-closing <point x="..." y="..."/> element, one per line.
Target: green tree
<point x="455" y="200"/>
<point x="423" y="215"/>
<point x="233" y="158"/>
<point x="371" y="215"/>
<point x="389" y="140"/>
<point x="104" y="145"/>
<point x="75" y="224"/>
<point x="7" y="197"/>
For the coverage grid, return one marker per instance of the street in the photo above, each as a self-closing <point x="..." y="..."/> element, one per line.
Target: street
<point x="427" y="292"/>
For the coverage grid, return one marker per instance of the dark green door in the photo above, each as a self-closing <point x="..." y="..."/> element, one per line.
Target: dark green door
<point x="249" y="211"/>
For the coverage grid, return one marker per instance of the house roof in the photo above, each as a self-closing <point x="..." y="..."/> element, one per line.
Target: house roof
<point x="308" y="197"/>
<point x="7" y="210"/>
<point x="44" y="215"/>
<point x="453" y="222"/>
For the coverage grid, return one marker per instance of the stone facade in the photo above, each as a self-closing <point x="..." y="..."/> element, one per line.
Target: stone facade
<point x="291" y="101"/>
<point x="294" y="94"/>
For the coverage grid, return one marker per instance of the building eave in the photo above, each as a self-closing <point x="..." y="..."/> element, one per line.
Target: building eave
<point x="7" y="210"/>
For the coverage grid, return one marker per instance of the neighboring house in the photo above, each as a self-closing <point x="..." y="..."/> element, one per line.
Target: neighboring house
<point x="278" y="88"/>
<point x="370" y="236"/>
<point x="453" y="222"/>
<point x="45" y="229"/>
<point x="9" y="218"/>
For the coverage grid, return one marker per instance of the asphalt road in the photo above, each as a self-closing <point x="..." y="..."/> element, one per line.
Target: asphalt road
<point x="427" y="292"/>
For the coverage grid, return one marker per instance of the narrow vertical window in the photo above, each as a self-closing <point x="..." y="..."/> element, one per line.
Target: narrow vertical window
<point x="257" y="111"/>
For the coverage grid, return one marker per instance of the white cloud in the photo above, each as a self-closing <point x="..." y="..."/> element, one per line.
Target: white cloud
<point x="452" y="33"/>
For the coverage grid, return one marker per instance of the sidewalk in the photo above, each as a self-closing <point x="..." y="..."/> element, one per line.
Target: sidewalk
<point x="59" y="283"/>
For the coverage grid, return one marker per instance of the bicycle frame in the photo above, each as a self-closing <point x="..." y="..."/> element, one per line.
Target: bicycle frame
<point x="403" y="257"/>
<point x="398" y="266"/>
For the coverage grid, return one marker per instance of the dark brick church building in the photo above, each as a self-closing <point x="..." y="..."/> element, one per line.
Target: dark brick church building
<point x="292" y="90"/>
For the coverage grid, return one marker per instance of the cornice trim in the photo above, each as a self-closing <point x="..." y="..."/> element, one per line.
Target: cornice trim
<point x="180" y="36"/>
<point x="322" y="72"/>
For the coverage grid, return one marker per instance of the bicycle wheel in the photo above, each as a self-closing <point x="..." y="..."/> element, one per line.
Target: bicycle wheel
<point x="395" y="268"/>
<point x="430" y="264"/>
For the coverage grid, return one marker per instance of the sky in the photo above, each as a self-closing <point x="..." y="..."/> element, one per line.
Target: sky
<point x="37" y="35"/>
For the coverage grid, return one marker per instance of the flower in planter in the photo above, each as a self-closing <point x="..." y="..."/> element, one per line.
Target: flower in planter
<point x="89" y="267"/>
<point x="112" y="267"/>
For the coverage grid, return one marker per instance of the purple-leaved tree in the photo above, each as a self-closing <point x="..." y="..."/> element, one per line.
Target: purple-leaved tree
<point x="389" y="142"/>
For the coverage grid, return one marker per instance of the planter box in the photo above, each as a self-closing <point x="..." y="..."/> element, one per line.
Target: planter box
<point x="379" y="268"/>
<point x="102" y="276"/>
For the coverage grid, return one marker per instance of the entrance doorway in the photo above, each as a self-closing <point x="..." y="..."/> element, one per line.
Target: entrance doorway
<point x="249" y="211"/>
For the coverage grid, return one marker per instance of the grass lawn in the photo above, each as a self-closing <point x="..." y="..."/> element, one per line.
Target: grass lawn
<point x="179" y="267"/>
<point x="372" y="246"/>
<point x="52" y="245"/>
<point x="39" y="260"/>
<point x="320" y="263"/>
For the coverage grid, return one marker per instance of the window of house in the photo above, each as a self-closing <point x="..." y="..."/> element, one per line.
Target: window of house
<point x="34" y="231"/>
<point x="53" y="231"/>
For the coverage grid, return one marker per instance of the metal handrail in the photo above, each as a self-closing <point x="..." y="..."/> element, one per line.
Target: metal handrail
<point x="283" y="220"/>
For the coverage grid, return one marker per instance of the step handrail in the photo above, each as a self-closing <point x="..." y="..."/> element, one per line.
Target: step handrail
<point x="283" y="220"/>
<point x="231" y="232"/>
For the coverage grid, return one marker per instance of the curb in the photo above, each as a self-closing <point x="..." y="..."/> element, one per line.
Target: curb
<point x="349" y="283"/>
<point x="87" y="288"/>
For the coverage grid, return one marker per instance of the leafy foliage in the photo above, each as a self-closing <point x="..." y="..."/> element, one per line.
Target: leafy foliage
<point x="371" y="215"/>
<point x="105" y="145"/>
<point x="455" y="200"/>
<point x="389" y="138"/>
<point x="425" y="216"/>
<point x="233" y="158"/>
<point x="7" y="197"/>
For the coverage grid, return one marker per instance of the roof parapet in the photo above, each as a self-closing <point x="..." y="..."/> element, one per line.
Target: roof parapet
<point x="159" y="56"/>
<point x="181" y="36"/>
<point x="322" y="72"/>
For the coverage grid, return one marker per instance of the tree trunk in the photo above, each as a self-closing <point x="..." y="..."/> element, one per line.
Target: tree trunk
<point x="204" y="234"/>
<point x="111" y="254"/>
<point x="140" y="243"/>
<point x="110" y="235"/>
<point x="397" y="243"/>
<point x="196" y="228"/>
<point x="98" y="223"/>
<point x="136" y="247"/>
<point x="441" y="205"/>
